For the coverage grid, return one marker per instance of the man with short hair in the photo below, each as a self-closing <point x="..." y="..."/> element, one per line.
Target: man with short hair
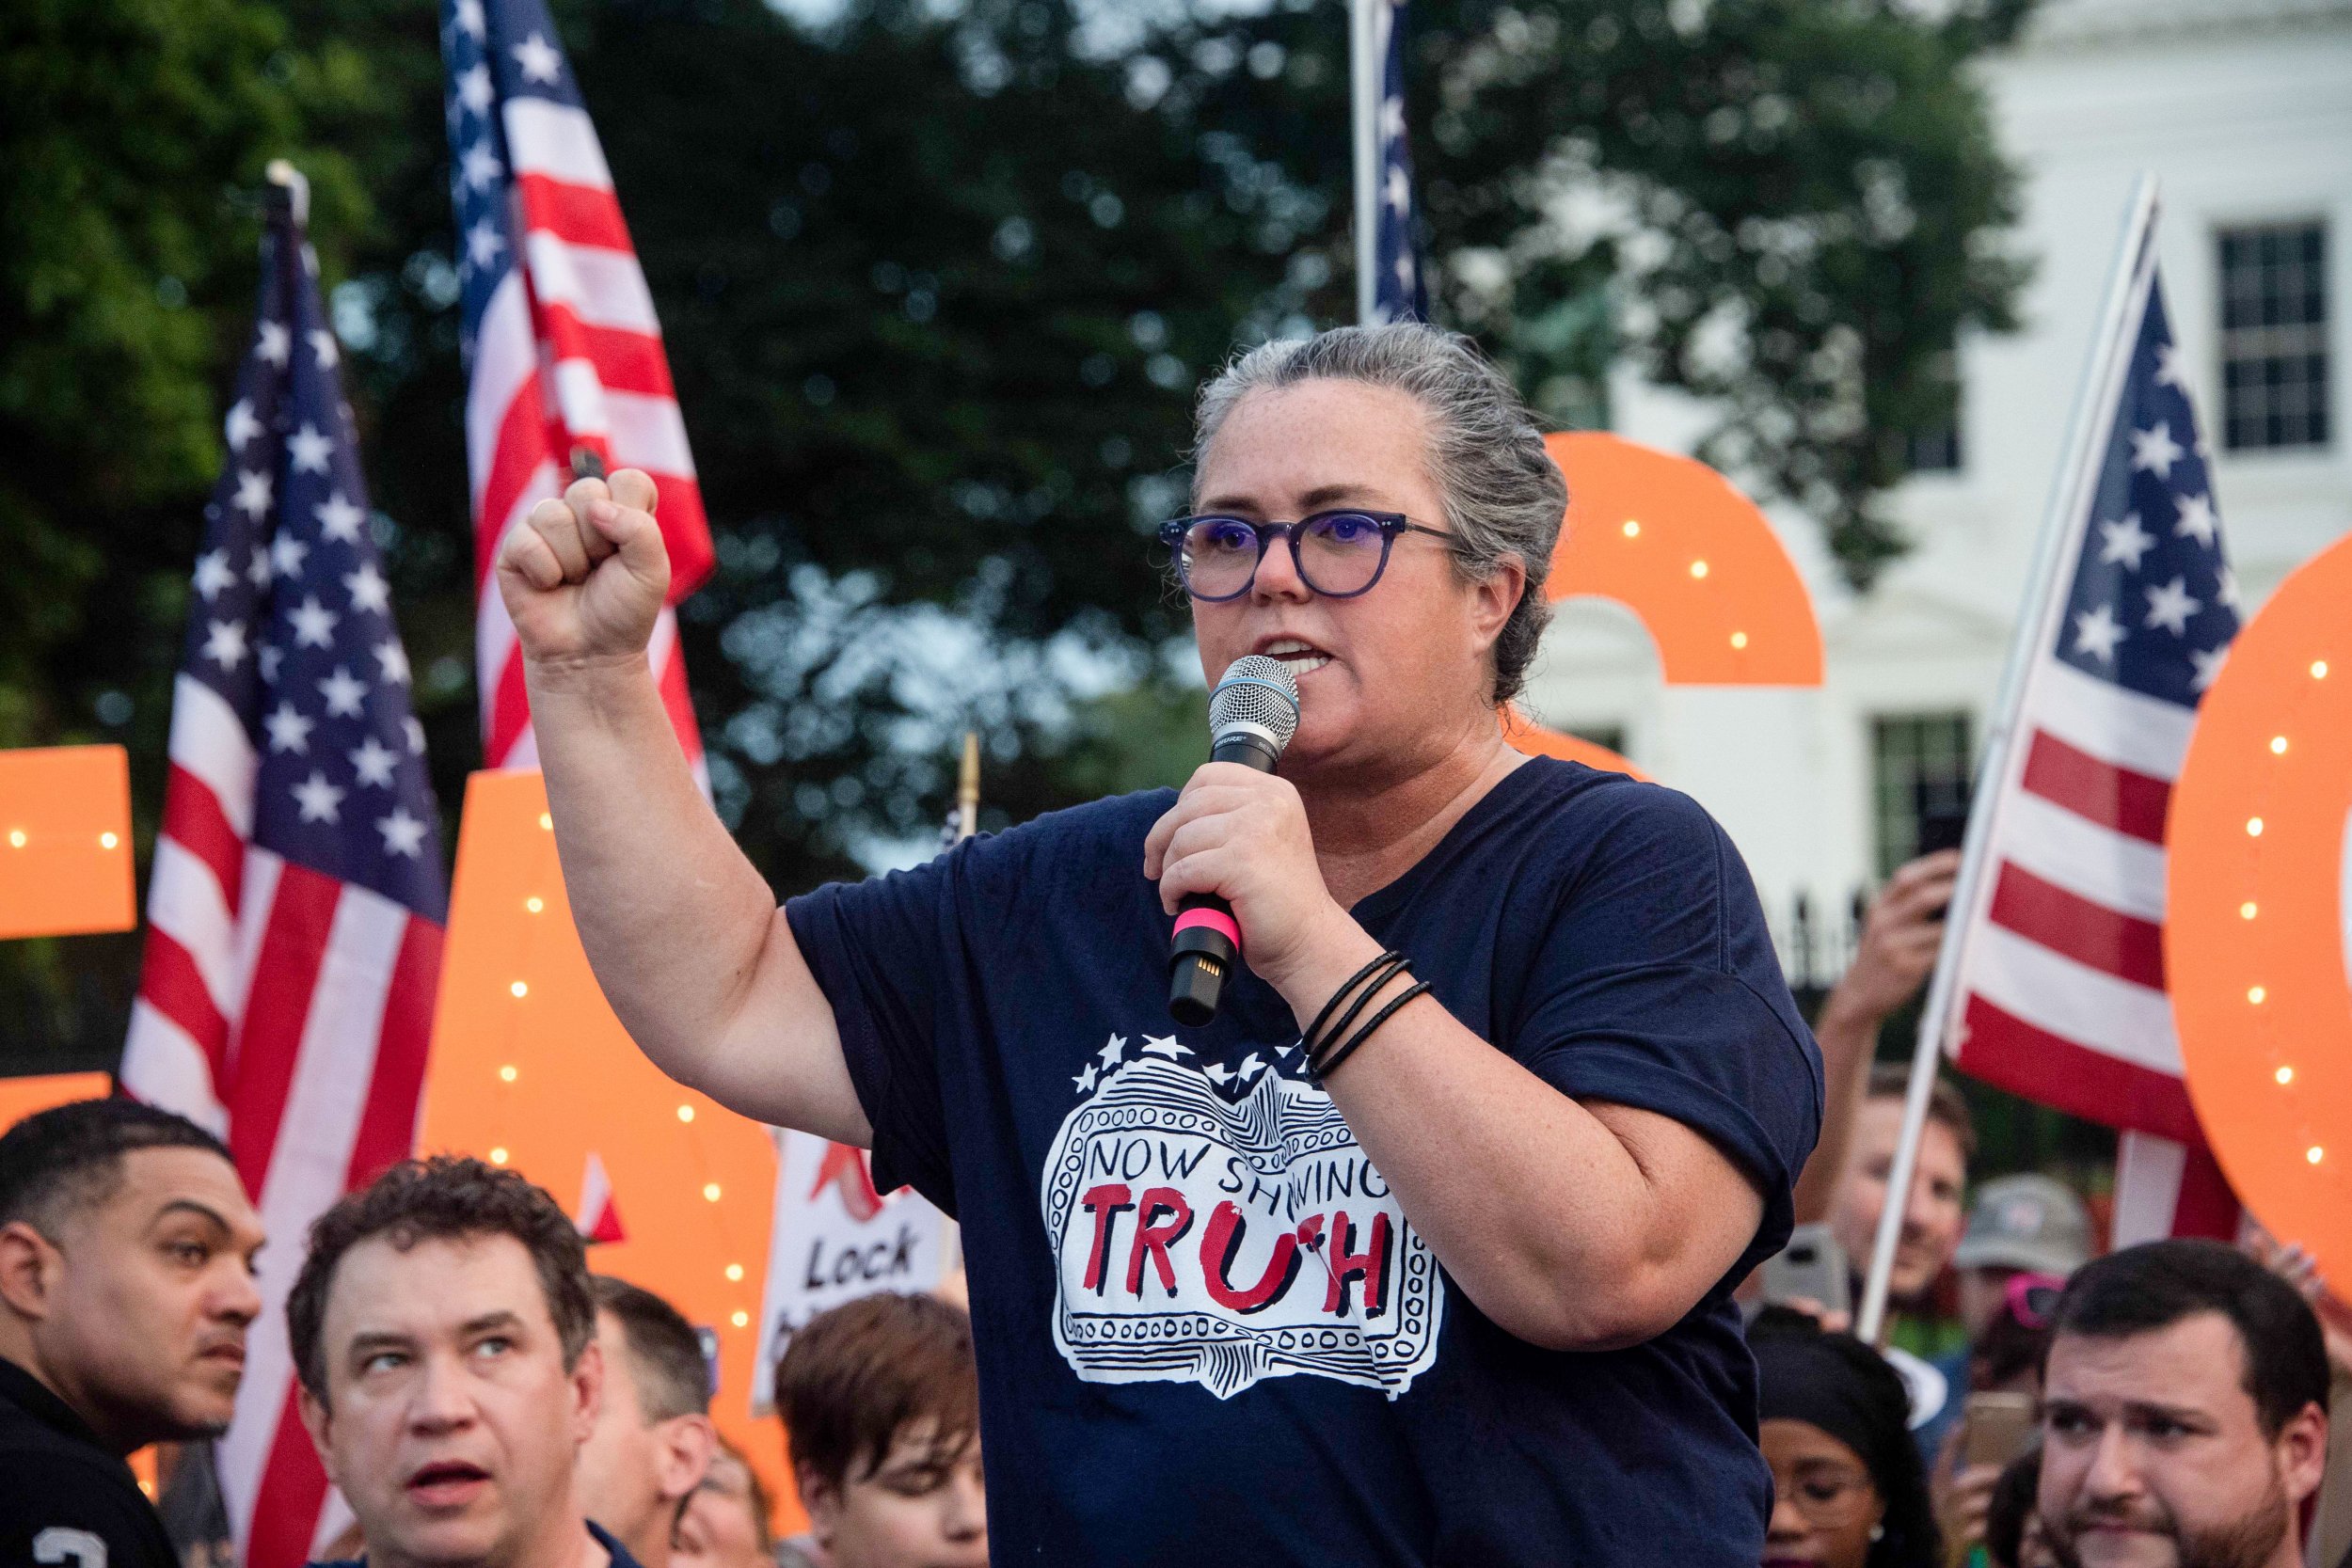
<point x="880" y="1407"/>
<point x="2185" y="1417"/>
<point x="444" y="1334"/>
<point x="126" y="1285"/>
<point x="1932" y="1220"/>
<point x="653" y="1439"/>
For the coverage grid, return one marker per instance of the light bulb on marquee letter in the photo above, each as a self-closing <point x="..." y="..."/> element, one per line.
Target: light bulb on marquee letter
<point x="1669" y="539"/>
<point x="2257" y="825"/>
<point x="517" y="998"/>
<point x="67" y="870"/>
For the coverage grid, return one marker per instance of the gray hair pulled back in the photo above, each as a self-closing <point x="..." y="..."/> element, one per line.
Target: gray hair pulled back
<point x="1504" y="497"/>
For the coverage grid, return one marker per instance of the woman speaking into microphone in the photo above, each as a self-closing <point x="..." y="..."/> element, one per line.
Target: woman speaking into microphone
<point x="1421" y="1250"/>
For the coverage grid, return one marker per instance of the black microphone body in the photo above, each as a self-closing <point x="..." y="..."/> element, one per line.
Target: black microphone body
<point x="1207" y="949"/>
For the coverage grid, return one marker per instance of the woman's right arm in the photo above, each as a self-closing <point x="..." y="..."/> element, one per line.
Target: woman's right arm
<point x="685" y="937"/>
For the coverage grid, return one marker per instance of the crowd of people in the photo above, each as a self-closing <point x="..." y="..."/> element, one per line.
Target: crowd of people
<point x="2167" y="1404"/>
<point x="479" y="1396"/>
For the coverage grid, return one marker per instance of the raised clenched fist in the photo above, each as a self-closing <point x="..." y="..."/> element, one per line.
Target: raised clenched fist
<point x="585" y="578"/>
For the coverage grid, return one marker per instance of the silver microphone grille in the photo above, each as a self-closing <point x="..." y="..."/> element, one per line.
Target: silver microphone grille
<point x="1257" y="693"/>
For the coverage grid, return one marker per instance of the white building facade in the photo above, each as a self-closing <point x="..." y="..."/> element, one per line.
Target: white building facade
<point x="2243" y="109"/>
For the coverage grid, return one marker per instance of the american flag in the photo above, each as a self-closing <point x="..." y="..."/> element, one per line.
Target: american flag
<point x="563" y="353"/>
<point x="295" y="905"/>
<point x="2060" y="987"/>
<point x="1399" y="293"/>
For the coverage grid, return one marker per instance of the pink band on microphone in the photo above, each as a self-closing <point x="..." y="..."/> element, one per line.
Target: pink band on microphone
<point x="1215" y="920"/>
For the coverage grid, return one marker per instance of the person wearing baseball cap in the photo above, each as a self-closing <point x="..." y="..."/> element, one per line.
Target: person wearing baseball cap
<point x="2018" y="1224"/>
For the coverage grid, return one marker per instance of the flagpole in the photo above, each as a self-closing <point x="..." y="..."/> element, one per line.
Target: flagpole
<point x="2062" y="527"/>
<point x="1364" y="122"/>
<point x="296" y="187"/>
<point x="968" y="823"/>
<point x="968" y="788"/>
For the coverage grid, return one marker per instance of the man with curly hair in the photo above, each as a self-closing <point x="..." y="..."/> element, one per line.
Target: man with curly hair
<point x="444" y="1332"/>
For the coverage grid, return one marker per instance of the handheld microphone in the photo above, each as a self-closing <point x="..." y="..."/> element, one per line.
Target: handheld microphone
<point x="1252" y="715"/>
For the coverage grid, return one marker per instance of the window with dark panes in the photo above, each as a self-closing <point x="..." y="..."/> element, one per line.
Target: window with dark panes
<point x="1920" y="766"/>
<point x="1934" y="449"/>
<point x="2274" y="336"/>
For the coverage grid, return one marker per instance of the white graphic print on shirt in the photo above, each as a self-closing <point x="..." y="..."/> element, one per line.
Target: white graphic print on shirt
<point x="1216" y="1239"/>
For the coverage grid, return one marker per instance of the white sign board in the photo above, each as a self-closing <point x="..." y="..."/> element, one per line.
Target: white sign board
<point x="837" y="1238"/>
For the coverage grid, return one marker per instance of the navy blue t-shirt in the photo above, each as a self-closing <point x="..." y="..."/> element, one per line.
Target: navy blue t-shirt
<point x="1206" y="1331"/>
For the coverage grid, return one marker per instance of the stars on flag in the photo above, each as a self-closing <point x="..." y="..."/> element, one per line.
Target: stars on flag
<point x="2097" y="632"/>
<point x="403" y="834"/>
<point x="2208" y="662"/>
<point x="2160" y="565"/>
<point x="285" y="555"/>
<point x="538" y="60"/>
<point x="253" y="494"/>
<point x="213" y="574"/>
<point x="339" y="520"/>
<point x="242" y="426"/>
<point x="474" y="89"/>
<point x="343" y="692"/>
<point x="289" y="731"/>
<point x="293" y="626"/>
<point x="372" y="764"/>
<point x="318" y="800"/>
<point x="2197" y="520"/>
<point x="1393" y="265"/>
<point x="483" y="244"/>
<point x="2154" y="451"/>
<point x="224" y="643"/>
<point x="469" y="19"/>
<point x="480" y="167"/>
<point x="2170" y="606"/>
<point x="309" y="449"/>
<point x="313" y="624"/>
<point x="370" y="593"/>
<point x="2125" y="541"/>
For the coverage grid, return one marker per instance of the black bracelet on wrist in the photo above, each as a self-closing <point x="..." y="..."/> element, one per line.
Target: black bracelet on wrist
<point x="1340" y="995"/>
<point x="1356" y="993"/>
<point x="1317" y="1073"/>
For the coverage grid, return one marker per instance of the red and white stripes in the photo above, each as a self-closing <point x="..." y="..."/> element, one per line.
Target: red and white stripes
<point x="287" y="1010"/>
<point x="2063" y="976"/>
<point x="569" y="353"/>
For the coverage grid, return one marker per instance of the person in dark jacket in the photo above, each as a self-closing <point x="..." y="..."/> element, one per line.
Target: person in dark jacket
<point x="126" y="1286"/>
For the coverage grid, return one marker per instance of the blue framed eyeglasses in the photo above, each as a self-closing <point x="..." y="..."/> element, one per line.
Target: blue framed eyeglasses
<point x="1340" y="554"/>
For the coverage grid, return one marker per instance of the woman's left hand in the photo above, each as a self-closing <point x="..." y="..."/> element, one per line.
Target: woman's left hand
<point x="1243" y="836"/>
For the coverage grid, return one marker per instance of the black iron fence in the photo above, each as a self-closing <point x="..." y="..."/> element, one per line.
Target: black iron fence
<point x="1814" y="943"/>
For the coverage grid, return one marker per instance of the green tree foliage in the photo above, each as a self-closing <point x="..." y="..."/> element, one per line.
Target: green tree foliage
<point x="1788" y="208"/>
<point x="937" y="283"/>
<point x="133" y="134"/>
